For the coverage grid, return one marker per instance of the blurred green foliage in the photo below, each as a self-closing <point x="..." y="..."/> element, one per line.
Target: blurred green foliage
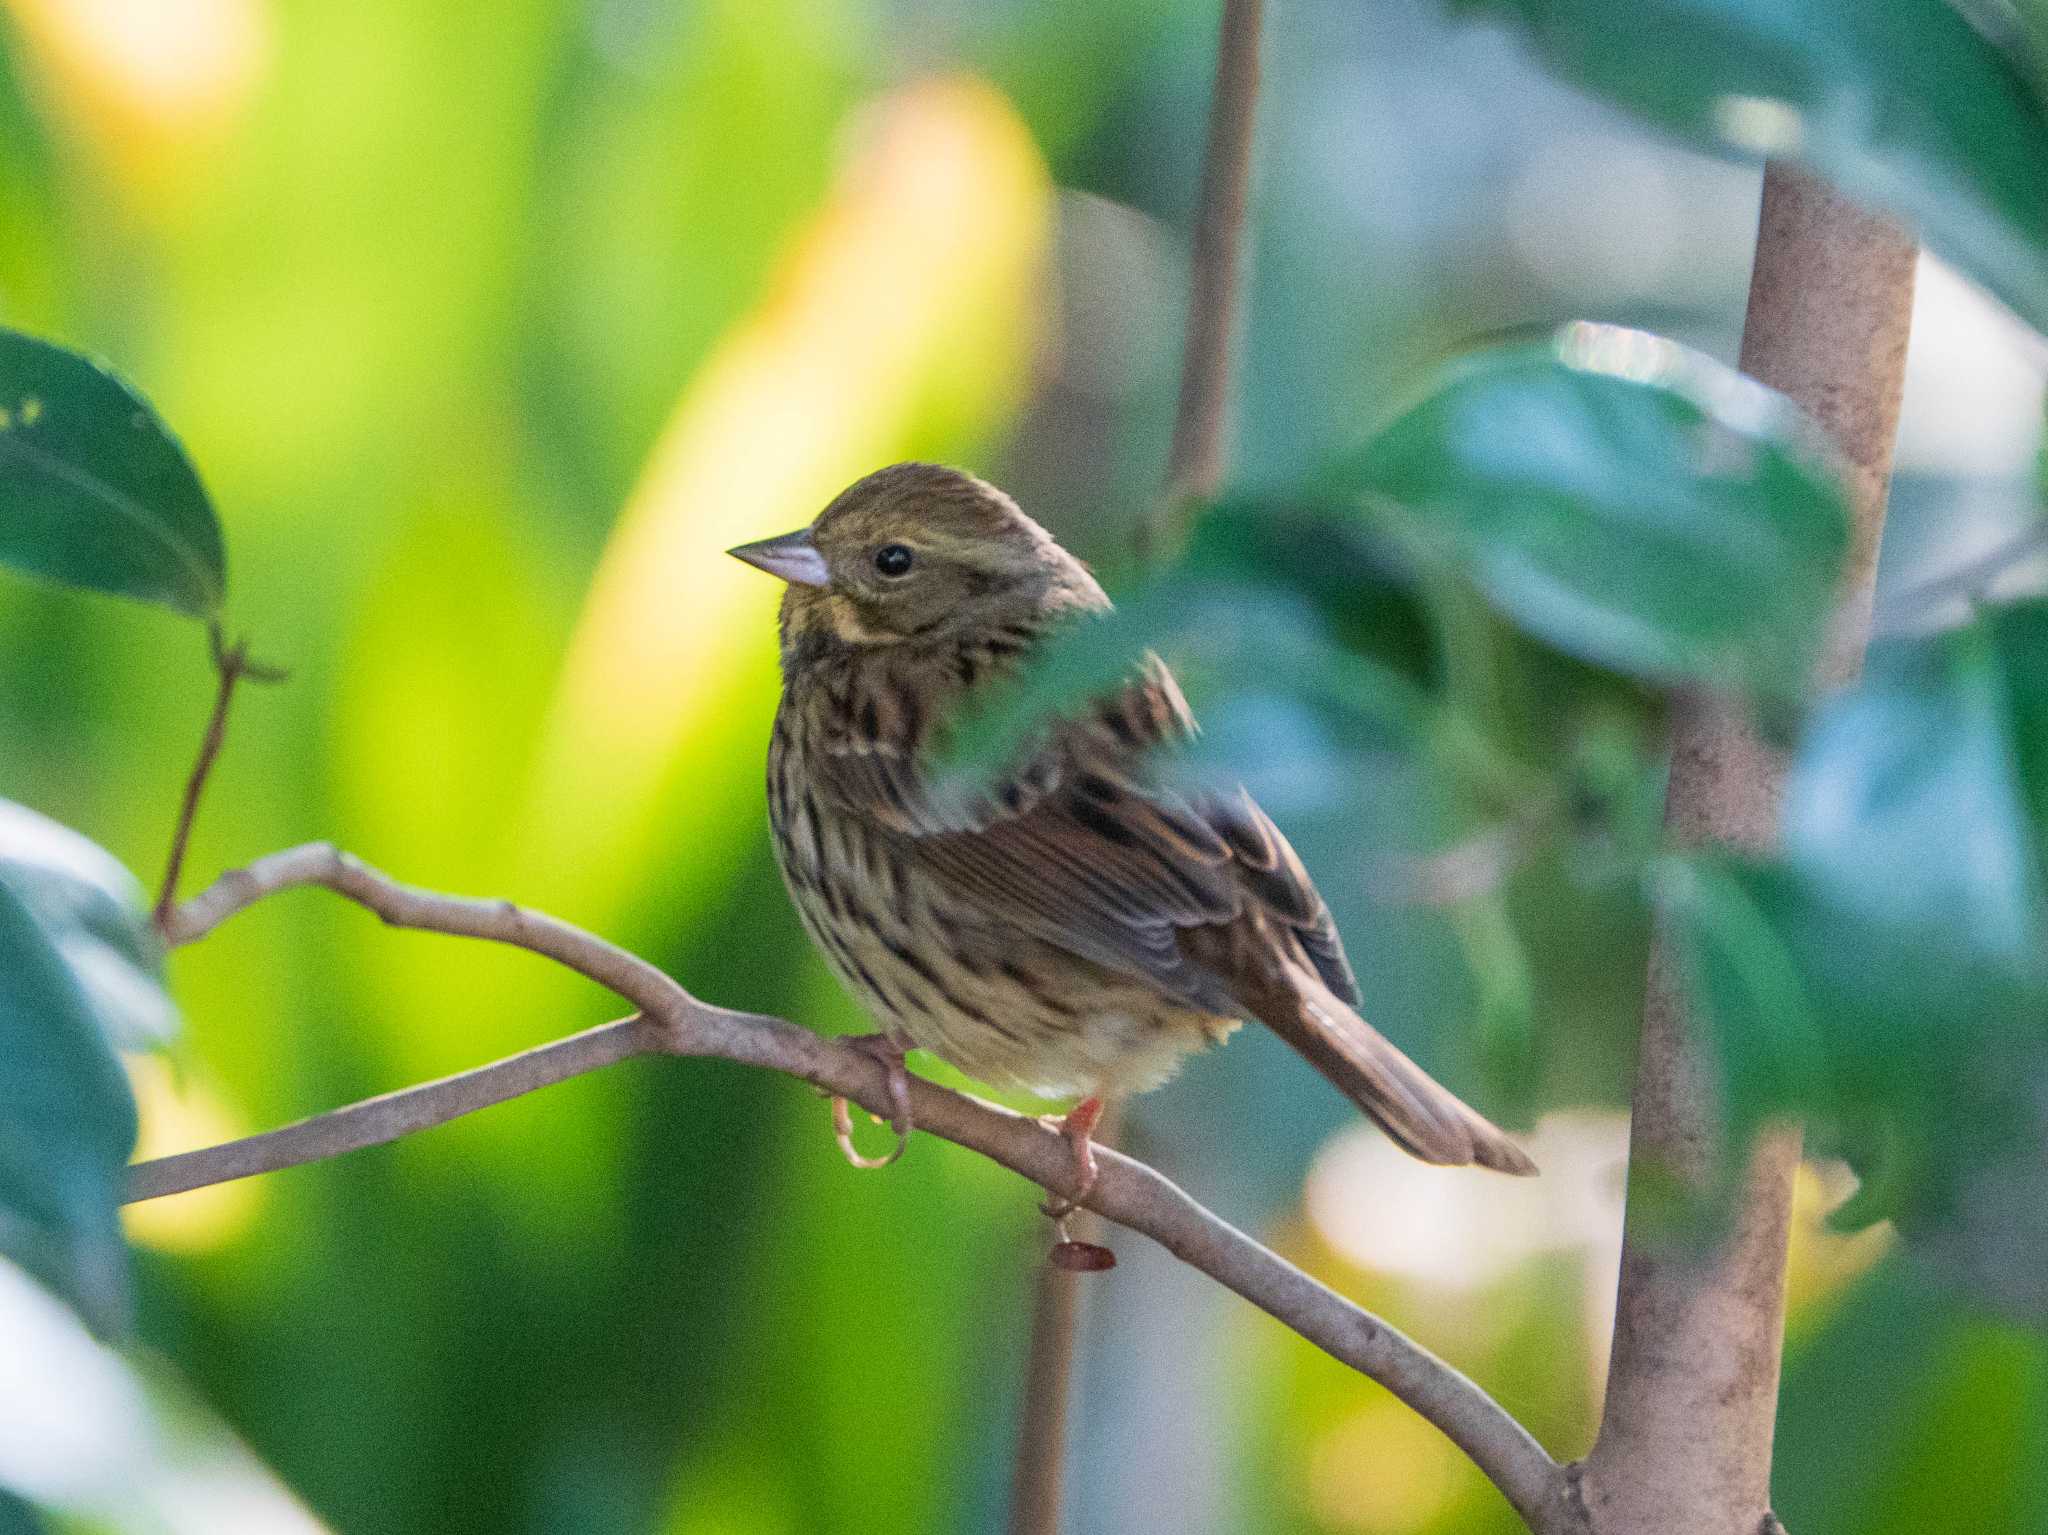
<point x="490" y="332"/>
<point x="67" y="1124"/>
<point x="1903" y="105"/>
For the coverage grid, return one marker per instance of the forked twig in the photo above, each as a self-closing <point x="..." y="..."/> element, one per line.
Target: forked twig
<point x="671" y="1021"/>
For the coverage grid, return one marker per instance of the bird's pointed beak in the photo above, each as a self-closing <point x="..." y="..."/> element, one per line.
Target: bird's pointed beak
<point x="792" y="556"/>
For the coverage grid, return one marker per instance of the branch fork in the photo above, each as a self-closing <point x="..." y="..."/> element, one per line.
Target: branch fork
<point x="669" y="1021"/>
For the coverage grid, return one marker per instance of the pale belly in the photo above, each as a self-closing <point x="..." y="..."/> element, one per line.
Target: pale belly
<point x="998" y="1003"/>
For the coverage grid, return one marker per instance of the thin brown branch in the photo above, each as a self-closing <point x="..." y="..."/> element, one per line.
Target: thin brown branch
<point x="323" y="864"/>
<point x="673" y="1022"/>
<point x="378" y="1121"/>
<point x="1195" y="461"/>
<point x="1038" y="1475"/>
<point x="230" y="665"/>
<point x="1685" y="1436"/>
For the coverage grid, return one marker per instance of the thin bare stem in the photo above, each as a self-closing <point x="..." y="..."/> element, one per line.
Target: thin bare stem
<point x="230" y="664"/>
<point x="378" y="1121"/>
<point x="1038" y="1477"/>
<point x="1200" y="427"/>
<point x="400" y="905"/>
<point x="671" y="1021"/>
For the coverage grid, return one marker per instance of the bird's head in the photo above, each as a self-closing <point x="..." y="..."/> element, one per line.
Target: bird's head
<point x="918" y="552"/>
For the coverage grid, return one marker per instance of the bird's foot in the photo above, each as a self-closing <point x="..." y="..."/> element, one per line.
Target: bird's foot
<point x="1078" y="1126"/>
<point x="887" y="1049"/>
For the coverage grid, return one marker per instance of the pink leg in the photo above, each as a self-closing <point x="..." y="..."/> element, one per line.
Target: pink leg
<point x="1078" y="1126"/>
<point x="889" y="1049"/>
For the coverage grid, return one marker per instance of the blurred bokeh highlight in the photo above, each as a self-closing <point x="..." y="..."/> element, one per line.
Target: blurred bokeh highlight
<point x="490" y="327"/>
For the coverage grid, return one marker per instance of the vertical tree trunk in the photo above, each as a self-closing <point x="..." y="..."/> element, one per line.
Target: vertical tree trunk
<point x="1692" y="1392"/>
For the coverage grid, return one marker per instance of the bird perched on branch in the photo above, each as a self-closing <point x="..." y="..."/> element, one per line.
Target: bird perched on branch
<point x="1080" y="929"/>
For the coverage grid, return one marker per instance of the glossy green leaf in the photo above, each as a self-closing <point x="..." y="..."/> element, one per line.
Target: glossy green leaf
<point x="1626" y="500"/>
<point x="1903" y="1047"/>
<point x="1300" y="601"/>
<point x="1914" y="819"/>
<point x="1360" y="581"/>
<point x="1262" y="653"/>
<point x="94" y="489"/>
<point x="67" y="1125"/>
<point x="108" y="1444"/>
<point x="1905" y="802"/>
<point x="93" y="911"/>
<point x="1900" y="103"/>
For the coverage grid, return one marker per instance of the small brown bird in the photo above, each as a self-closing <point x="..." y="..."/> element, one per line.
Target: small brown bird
<point x="1082" y="929"/>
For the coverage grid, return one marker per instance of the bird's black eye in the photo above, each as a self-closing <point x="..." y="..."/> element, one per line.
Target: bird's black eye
<point x="893" y="560"/>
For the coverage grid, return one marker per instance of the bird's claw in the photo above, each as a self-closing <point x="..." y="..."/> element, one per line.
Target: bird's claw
<point x="1078" y="1126"/>
<point x="1075" y="1257"/>
<point x="888" y="1050"/>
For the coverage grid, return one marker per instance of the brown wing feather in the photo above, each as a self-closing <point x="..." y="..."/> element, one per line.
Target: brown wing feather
<point x="1201" y="896"/>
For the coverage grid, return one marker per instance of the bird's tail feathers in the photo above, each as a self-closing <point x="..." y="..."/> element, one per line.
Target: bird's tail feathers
<point x="1423" y="1116"/>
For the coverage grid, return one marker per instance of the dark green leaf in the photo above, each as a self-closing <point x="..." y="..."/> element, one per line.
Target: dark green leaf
<point x="67" y="1125"/>
<point x="1900" y="103"/>
<point x="1914" y="818"/>
<point x="94" y="489"/>
<point x="1906" y="1049"/>
<point x="1905" y="803"/>
<point x="1886" y="976"/>
<point x="1628" y="501"/>
<point x="92" y="910"/>
<point x="1284" y="692"/>
<point x="1356" y="578"/>
<point x="17" y="1518"/>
